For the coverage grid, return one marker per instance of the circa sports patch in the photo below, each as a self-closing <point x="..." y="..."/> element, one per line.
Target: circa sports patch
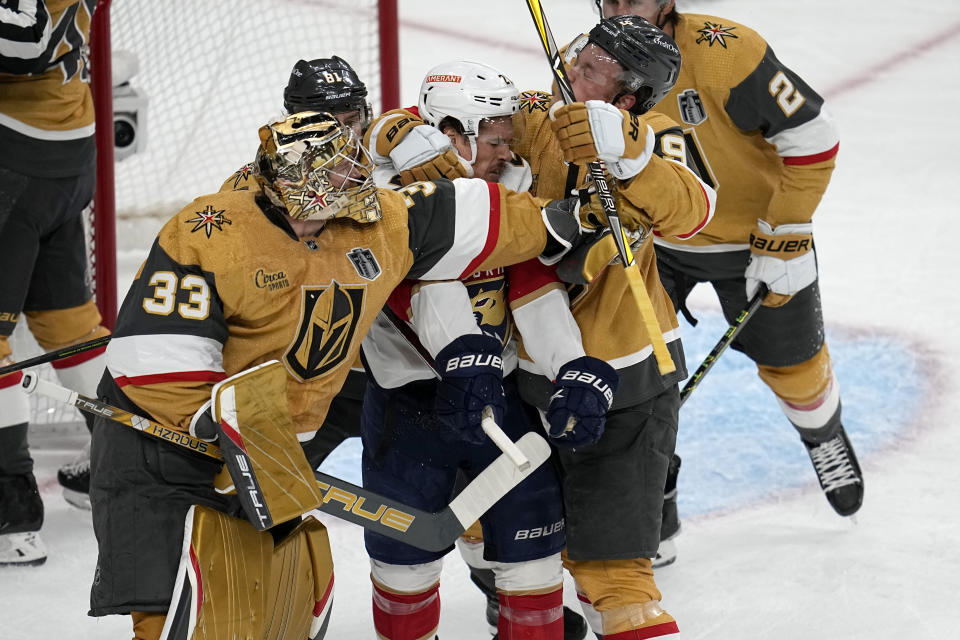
<point x="691" y="107"/>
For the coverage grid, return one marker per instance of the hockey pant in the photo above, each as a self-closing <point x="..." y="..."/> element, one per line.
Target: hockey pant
<point x="786" y="343"/>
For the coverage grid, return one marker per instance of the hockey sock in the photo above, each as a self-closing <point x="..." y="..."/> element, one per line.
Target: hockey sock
<point x="531" y="617"/>
<point x="409" y="616"/>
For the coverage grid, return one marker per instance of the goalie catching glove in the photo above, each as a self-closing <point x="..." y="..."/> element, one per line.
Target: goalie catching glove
<point x="471" y="378"/>
<point x="783" y="259"/>
<point x="592" y="130"/>
<point x="578" y="408"/>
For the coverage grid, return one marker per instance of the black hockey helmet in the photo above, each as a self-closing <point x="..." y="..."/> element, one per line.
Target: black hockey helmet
<point x="326" y="84"/>
<point x="650" y="58"/>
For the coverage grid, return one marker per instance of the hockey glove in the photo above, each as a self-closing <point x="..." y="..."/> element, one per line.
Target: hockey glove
<point x="583" y="395"/>
<point x="202" y="424"/>
<point x="634" y="220"/>
<point x="783" y="258"/>
<point x="592" y="130"/>
<point x="471" y="377"/>
<point x="427" y="154"/>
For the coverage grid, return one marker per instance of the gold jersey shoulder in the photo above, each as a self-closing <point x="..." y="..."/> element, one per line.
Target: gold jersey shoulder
<point x="717" y="51"/>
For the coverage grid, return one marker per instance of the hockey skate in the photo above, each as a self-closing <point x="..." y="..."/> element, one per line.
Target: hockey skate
<point x="74" y="477"/>
<point x="838" y="472"/>
<point x="22" y="549"/>
<point x="21" y="516"/>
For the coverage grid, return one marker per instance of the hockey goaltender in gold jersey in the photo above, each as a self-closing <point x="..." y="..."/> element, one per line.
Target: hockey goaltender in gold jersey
<point x="294" y="269"/>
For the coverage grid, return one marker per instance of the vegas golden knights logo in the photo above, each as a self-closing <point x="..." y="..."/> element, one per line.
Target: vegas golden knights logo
<point x="327" y="328"/>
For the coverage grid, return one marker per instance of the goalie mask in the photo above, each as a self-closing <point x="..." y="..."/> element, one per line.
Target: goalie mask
<point x="316" y="169"/>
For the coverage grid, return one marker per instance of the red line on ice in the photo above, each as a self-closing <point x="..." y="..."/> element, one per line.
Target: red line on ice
<point x="895" y="60"/>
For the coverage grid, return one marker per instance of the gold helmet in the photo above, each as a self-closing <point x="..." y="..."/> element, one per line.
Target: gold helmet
<point x="316" y="169"/>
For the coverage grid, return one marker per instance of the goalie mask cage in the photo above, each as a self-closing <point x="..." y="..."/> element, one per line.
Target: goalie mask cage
<point x="209" y="73"/>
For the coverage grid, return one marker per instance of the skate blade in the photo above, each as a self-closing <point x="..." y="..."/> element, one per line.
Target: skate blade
<point x="77" y="499"/>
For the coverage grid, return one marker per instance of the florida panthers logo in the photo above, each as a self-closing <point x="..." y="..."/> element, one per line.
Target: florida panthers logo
<point x="328" y="326"/>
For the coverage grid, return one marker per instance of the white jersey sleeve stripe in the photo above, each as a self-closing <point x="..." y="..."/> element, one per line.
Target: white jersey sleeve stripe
<point x="442" y="312"/>
<point x="476" y="228"/>
<point x="141" y="356"/>
<point x="808" y="139"/>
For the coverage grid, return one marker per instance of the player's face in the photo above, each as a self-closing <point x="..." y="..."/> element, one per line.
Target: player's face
<point x="493" y="148"/>
<point x="352" y="120"/>
<point x="348" y="169"/>
<point x="595" y="75"/>
<point x="648" y="9"/>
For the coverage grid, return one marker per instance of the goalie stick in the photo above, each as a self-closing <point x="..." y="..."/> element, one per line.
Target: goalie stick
<point x="632" y="269"/>
<point x="728" y="336"/>
<point x="429" y="531"/>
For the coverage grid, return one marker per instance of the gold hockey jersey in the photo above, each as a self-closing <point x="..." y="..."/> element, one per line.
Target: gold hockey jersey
<point x="227" y="286"/>
<point x="668" y="198"/>
<point x="756" y="131"/>
<point x="46" y="110"/>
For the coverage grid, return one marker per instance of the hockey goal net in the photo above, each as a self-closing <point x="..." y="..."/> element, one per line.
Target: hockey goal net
<point x="181" y="87"/>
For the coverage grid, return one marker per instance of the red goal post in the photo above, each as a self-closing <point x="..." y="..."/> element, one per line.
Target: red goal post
<point x="207" y="74"/>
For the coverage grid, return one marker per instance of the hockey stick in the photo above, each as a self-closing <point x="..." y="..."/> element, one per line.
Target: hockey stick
<point x="634" y="277"/>
<point x="487" y="423"/>
<point x="59" y="354"/>
<point x="429" y="531"/>
<point x="738" y="324"/>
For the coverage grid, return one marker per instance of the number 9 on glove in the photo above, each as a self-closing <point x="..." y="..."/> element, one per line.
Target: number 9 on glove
<point x="582" y="396"/>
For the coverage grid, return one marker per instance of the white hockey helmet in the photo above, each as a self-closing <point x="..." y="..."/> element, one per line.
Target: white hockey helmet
<point x="468" y="92"/>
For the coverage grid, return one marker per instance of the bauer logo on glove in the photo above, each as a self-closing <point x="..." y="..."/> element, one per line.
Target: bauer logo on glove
<point x="584" y="393"/>
<point x="590" y="380"/>
<point x="470" y="360"/>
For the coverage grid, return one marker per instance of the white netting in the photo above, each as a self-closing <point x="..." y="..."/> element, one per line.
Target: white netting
<point x="213" y="72"/>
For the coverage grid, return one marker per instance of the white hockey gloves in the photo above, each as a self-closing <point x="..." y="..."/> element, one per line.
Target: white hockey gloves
<point x="416" y="150"/>
<point x="783" y="258"/>
<point x="425" y="153"/>
<point x="594" y="129"/>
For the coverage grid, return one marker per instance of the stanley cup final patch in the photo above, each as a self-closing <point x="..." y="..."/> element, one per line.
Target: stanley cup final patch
<point x="691" y="107"/>
<point x="365" y="263"/>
